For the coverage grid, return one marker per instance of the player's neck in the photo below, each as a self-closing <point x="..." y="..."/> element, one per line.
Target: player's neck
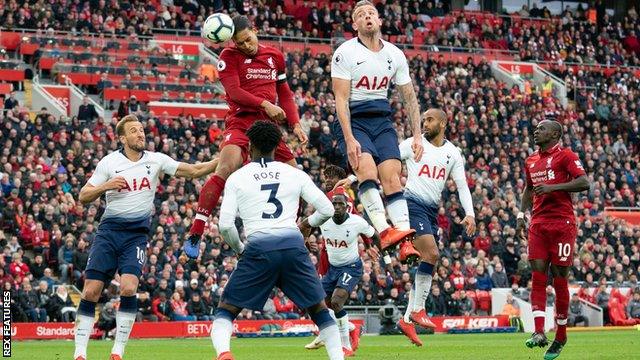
<point x="437" y="141"/>
<point x="372" y="42"/>
<point x="548" y="146"/>
<point x="256" y="156"/>
<point x="131" y="154"/>
<point x="341" y="219"/>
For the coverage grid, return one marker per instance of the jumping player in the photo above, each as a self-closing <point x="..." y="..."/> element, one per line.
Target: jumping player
<point x="341" y="234"/>
<point x="552" y="172"/>
<point x="426" y="179"/>
<point x="266" y="195"/>
<point x="362" y="70"/>
<point x="129" y="178"/>
<point x="253" y="75"/>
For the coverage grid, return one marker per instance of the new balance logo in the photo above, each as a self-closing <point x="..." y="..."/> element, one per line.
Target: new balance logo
<point x="564" y="258"/>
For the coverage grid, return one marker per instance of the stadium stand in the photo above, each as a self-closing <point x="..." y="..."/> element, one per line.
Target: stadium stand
<point x="45" y="161"/>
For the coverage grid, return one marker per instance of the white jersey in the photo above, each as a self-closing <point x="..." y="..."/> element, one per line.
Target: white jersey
<point x="341" y="241"/>
<point x="370" y="73"/>
<point x="427" y="178"/>
<point x="266" y="195"/>
<point x="135" y="201"/>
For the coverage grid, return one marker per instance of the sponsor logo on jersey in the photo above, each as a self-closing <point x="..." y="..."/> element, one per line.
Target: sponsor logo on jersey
<point x="136" y="185"/>
<point x="373" y="83"/>
<point x="433" y="172"/>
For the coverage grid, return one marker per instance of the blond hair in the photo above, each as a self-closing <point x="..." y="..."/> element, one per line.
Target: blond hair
<point x="123" y="122"/>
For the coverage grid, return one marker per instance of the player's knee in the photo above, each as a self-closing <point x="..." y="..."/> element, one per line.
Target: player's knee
<point x="390" y="184"/>
<point x="336" y="304"/>
<point x="91" y="291"/>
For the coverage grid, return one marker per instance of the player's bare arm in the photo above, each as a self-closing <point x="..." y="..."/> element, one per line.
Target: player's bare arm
<point x="576" y="185"/>
<point x="373" y="248"/>
<point x="410" y="101"/>
<point x="196" y="170"/>
<point x="527" y="201"/>
<point x="342" y="91"/>
<point x="90" y="193"/>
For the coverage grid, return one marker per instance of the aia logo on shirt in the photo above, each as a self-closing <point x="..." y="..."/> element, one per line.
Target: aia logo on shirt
<point x="373" y="84"/>
<point x="136" y="185"/>
<point x="433" y="172"/>
<point x="337" y="243"/>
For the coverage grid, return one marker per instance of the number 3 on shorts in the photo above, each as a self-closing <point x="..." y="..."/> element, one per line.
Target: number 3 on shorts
<point x="564" y="250"/>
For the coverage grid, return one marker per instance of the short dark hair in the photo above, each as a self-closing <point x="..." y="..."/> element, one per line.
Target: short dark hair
<point x="264" y="135"/>
<point x="333" y="171"/>
<point x="241" y="22"/>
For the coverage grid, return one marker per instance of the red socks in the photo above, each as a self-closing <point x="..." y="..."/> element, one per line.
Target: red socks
<point x="207" y="201"/>
<point x="539" y="299"/>
<point x="561" y="285"/>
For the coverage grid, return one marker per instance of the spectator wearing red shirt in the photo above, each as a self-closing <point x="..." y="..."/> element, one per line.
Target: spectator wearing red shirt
<point x="482" y="242"/>
<point x="285" y="307"/>
<point x="17" y="268"/>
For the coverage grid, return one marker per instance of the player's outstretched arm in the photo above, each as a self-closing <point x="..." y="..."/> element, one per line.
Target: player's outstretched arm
<point x="90" y="193"/>
<point x="410" y="101"/>
<point x="576" y="185"/>
<point x="196" y="170"/>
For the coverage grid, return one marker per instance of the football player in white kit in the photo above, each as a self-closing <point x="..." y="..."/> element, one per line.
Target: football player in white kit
<point x="129" y="179"/>
<point x="426" y="180"/>
<point x="341" y="234"/>
<point x="266" y="195"/>
<point x="362" y="70"/>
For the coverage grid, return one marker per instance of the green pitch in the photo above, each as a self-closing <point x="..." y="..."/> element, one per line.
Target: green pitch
<point x="581" y="346"/>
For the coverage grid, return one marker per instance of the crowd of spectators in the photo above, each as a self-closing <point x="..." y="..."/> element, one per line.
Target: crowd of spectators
<point x="46" y="232"/>
<point x="45" y="163"/>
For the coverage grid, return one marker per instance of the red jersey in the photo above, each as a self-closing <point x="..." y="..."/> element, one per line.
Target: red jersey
<point x="249" y="80"/>
<point x="556" y="166"/>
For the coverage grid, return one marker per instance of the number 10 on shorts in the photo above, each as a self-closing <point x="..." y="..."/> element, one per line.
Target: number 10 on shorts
<point x="564" y="250"/>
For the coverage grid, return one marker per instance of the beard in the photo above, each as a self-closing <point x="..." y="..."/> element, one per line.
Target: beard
<point x="431" y="135"/>
<point x="137" y="147"/>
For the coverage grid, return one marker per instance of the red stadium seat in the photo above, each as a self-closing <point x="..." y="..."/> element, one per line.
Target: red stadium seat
<point x="484" y="300"/>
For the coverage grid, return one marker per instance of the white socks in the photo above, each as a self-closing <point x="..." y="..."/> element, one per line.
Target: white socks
<point x="221" y="335"/>
<point x="372" y="202"/>
<point x="124" y="324"/>
<point x="399" y="213"/>
<point x="331" y="337"/>
<point x="407" y="312"/>
<point x="422" y="287"/>
<point x="343" y="328"/>
<point x="84" y="326"/>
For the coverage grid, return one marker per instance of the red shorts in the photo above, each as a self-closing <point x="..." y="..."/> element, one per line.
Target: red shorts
<point x="553" y="242"/>
<point x="239" y="138"/>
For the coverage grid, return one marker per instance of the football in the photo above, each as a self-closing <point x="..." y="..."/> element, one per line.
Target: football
<point x="218" y="28"/>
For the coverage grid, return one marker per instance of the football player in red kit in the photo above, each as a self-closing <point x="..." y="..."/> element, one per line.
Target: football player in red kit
<point x="552" y="173"/>
<point x="254" y="77"/>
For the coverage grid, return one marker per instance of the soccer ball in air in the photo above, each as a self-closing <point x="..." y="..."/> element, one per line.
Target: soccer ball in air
<point x="218" y="28"/>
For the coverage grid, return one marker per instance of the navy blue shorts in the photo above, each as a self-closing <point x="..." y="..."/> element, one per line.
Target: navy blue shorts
<point x="345" y="277"/>
<point x="117" y="250"/>
<point x="376" y="136"/>
<point x="258" y="272"/>
<point x="422" y="216"/>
